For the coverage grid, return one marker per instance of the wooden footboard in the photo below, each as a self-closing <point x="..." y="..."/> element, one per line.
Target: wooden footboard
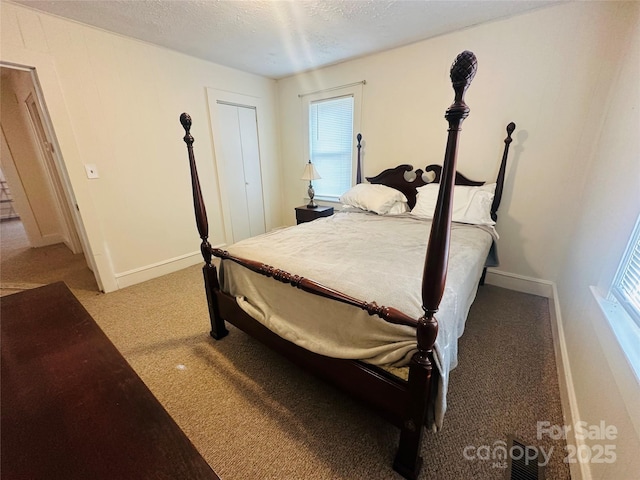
<point x="404" y="403"/>
<point x="383" y="392"/>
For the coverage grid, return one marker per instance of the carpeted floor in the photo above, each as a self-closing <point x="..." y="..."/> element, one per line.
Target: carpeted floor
<point x="253" y="415"/>
<point x="25" y="267"/>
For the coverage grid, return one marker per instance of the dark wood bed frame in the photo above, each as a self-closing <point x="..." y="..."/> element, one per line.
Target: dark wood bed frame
<point x="404" y="403"/>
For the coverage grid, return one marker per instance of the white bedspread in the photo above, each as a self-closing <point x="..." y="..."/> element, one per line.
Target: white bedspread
<point x="369" y="257"/>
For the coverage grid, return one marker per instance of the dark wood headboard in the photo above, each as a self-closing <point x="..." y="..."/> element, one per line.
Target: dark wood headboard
<point x="404" y="178"/>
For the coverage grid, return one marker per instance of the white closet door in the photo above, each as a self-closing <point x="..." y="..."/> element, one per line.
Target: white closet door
<point x="237" y="149"/>
<point x="252" y="175"/>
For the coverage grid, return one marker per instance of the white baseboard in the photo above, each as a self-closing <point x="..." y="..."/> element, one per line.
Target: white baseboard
<point x="548" y="289"/>
<point x="142" y="274"/>
<point x="520" y="283"/>
<point x="579" y="470"/>
<point x="46" y="240"/>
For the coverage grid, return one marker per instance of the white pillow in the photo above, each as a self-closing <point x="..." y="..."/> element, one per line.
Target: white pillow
<point x="372" y="197"/>
<point x="470" y="204"/>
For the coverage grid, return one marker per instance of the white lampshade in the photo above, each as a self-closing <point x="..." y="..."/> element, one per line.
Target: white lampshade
<point x="310" y="173"/>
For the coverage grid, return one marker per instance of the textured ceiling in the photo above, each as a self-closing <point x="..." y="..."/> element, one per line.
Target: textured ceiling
<point x="277" y="38"/>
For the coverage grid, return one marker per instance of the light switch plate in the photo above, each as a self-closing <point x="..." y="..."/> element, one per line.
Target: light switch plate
<point x="92" y="171"/>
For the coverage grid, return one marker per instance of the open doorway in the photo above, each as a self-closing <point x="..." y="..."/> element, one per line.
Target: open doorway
<point x="42" y="236"/>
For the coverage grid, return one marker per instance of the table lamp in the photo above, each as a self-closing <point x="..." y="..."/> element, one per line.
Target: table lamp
<point x="310" y="173"/>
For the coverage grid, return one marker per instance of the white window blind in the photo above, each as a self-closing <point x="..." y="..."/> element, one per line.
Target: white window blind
<point x="626" y="286"/>
<point x="331" y="144"/>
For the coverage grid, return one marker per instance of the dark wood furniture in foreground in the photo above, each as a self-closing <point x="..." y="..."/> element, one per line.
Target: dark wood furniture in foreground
<point x="305" y="214"/>
<point x="72" y="407"/>
<point x="404" y="403"/>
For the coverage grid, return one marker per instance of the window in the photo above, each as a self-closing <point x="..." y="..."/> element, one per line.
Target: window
<point x="331" y="144"/>
<point x="332" y="122"/>
<point x="622" y="306"/>
<point x="626" y="285"/>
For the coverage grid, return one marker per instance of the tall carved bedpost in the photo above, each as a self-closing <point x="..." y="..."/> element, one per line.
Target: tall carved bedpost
<point x="503" y="166"/>
<point x="359" y="166"/>
<point x="218" y="329"/>
<point x="408" y="460"/>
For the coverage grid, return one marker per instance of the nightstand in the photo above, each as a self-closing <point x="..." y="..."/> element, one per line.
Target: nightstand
<point x="304" y="214"/>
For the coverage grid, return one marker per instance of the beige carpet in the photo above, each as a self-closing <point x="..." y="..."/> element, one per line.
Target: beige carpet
<point x="253" y="415"/>
<point x="24" y="267"/>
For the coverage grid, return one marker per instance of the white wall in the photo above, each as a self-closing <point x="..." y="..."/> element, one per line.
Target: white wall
<point x="540" y="70"/>
<point x="568" y="76"/>
<point x="605" y="386"/>
<point x="115" y="102"/>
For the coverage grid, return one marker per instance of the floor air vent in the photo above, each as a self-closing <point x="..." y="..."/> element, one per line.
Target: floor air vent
<point x="523" y="461"/>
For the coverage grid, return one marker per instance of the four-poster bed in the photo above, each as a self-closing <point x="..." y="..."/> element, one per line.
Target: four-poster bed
<point x="362" y="351"/>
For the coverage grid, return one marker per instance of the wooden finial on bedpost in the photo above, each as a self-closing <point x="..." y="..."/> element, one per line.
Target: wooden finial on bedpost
<point x="463" y="70"/>
<point x="408" y="461"/>
<point x="359" y="167"/>
<point x="198" y="202"/>
<point x="503" y="166"/>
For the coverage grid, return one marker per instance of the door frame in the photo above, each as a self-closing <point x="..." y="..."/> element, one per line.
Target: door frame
<point x="63" y="189"/>
<point x="215" y="96"/>
<point x="48" y="153"/>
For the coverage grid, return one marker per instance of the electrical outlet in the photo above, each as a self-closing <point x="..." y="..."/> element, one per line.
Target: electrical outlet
<point x="92" y="171"/>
